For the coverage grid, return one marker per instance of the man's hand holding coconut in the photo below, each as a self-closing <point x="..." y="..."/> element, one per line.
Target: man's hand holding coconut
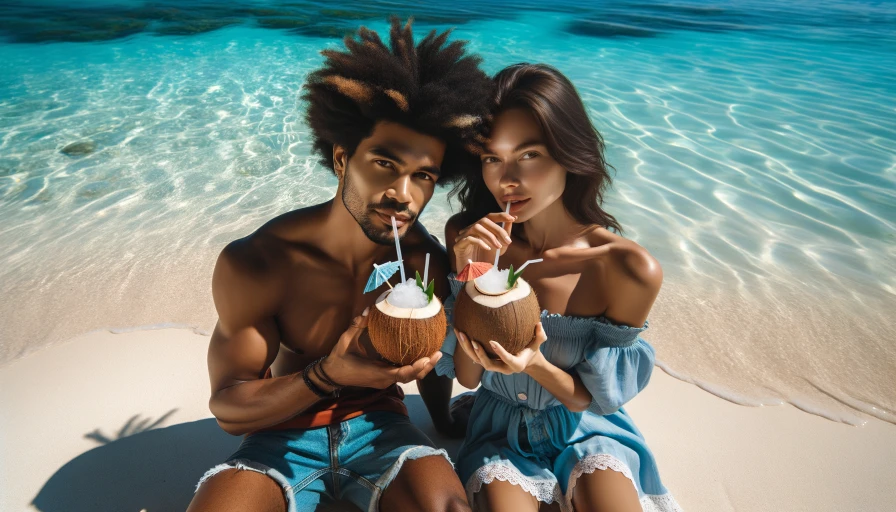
<point x="348" y="366"/>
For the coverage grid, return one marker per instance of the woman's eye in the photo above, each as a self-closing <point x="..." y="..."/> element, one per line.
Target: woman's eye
<point x="384" y="163"/>
<point x="489" y="160"/>
<point x="529" y="155"/>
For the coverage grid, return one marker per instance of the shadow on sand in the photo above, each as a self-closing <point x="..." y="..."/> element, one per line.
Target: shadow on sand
<point x="156" y="469"/>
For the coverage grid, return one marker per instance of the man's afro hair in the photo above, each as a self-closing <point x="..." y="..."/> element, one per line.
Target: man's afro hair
<point x="433" y="88"/>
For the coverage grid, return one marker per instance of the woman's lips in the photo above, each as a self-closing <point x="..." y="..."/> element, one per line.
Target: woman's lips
<point x="516" y="206"/>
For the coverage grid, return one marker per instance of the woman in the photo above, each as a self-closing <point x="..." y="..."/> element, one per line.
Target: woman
<point x="547" y="423"/>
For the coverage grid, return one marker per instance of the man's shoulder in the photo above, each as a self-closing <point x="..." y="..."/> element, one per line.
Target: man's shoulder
<point x="247" y="265"/>
<point x="264" y="251"/>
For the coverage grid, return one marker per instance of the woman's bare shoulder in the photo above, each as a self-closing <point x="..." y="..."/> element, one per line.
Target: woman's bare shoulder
<point x="626" y="258"/>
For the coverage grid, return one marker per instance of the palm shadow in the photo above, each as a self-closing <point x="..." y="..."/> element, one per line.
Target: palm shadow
<point x="139" y="468"/>
<point x="144" y="466"/>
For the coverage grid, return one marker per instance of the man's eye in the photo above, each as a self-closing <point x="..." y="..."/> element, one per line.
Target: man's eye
<point x="529" y="155"/>
<point x="489" y="160"/>
<point x="384" y="163"/>
<point x="424" y="176"/>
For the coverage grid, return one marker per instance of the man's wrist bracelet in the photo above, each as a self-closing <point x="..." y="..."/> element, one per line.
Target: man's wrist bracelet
<point x="311" y="385"/>
<point x="320" y="372"/>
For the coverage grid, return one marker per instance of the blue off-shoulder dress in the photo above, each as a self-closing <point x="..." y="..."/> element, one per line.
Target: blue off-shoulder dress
<point x="520" y="433"/>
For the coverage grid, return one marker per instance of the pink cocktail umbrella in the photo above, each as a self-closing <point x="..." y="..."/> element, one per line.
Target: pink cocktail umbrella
<point x="472" y="270"/>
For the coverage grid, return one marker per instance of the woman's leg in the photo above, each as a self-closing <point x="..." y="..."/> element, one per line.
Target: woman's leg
<point x="501" y="496"/>
<point x="605" y="491"/>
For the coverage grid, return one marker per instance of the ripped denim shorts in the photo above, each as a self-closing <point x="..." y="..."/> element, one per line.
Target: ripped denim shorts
<point x="354" y="460"/>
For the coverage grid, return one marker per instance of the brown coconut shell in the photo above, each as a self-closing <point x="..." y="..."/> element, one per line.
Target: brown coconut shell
<point x="509" y="318"/>
<point x="403" y="335"/>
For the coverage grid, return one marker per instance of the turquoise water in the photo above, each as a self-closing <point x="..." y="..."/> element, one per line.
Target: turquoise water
<point x="754" y="143"/>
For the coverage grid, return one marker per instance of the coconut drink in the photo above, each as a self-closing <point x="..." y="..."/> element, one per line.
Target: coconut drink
<point x="408" y="321"/>
<point x="499" y="306"/>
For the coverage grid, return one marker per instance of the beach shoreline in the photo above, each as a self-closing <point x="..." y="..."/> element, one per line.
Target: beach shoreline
<point x="799" y="350"/>
<point x="120" y="422"/>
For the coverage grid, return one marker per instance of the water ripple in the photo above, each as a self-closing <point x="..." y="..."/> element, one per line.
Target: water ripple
<point x="762" y="175"/>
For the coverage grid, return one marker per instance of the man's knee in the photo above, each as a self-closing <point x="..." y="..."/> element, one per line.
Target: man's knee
<point x="457" y="504"/>
<point x="444" y="503"/>
<point x="238" y="490"/>
<point x="427" y="484"/>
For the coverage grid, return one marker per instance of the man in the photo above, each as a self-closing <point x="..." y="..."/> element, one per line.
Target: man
<point x="391" y="122"/>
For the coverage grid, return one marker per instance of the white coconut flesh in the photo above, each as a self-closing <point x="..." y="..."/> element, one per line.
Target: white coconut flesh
<point x="428" y="311"/>
<point x="520" y="291"/>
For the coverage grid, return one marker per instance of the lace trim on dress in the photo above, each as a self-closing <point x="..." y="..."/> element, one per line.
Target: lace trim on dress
<point x="547" y="491"/>
<point x="603" y="461"/>
<point x="660" y="503"/>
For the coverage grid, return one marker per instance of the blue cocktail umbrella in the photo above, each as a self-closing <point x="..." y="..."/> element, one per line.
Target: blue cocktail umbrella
<point x="381" y="274"/>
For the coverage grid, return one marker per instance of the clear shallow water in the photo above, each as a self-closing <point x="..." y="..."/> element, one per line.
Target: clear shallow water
<point x="754" y="145"/>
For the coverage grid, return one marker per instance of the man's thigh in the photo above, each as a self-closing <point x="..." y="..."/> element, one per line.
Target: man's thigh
<point x="425" y="484"/>
<point x="375" y="450"/>
<point x="293" y="463"/>
<point x="238" y="490"/>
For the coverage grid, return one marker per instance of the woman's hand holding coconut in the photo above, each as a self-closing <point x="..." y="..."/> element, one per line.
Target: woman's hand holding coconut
<point x="346" y="366"/>
<point x="493" y="304"/>
<point x="508" y="363"/>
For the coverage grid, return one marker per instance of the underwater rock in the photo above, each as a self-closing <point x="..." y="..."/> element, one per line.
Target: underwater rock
<point x="324" y="31"/>
<point x="345" y="14"/>
<point x="608" y="30"/>
<point x="194" y="27"/>
<point x="260" y="11"/>
<point x="660" y="23"/>
<point x="280" y="23"/>
<point x="79" y="148"/>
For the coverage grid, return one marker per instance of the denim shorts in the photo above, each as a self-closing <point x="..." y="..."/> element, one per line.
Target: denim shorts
<point x="353" y="461"/>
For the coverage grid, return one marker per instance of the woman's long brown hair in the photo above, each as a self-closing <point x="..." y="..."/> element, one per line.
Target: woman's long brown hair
<point x="569" y="135"/>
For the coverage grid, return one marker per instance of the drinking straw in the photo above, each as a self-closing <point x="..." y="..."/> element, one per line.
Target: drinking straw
<point x="398" y="248"/>
<point x="498" y="253"/>
<point x="426" y="271"/>
<point x="539" y="260"/>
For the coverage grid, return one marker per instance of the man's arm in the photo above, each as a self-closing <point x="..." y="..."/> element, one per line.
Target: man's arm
<point x="244" y="344"/>
<point x="246" y="341"/>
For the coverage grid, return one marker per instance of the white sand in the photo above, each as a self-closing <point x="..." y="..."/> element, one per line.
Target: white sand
<point x="64" y="445"/>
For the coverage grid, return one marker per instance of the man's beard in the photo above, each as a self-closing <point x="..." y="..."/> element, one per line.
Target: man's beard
<point x="356" y="207"/>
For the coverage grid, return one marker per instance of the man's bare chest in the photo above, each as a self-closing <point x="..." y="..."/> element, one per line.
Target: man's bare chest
<point x="316" y="308"/>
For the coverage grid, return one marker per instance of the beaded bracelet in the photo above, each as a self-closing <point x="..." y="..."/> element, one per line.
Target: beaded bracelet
<point x="322" y="375"/>
<point x="316" y="371"/>
<point x="311" y="385"/>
